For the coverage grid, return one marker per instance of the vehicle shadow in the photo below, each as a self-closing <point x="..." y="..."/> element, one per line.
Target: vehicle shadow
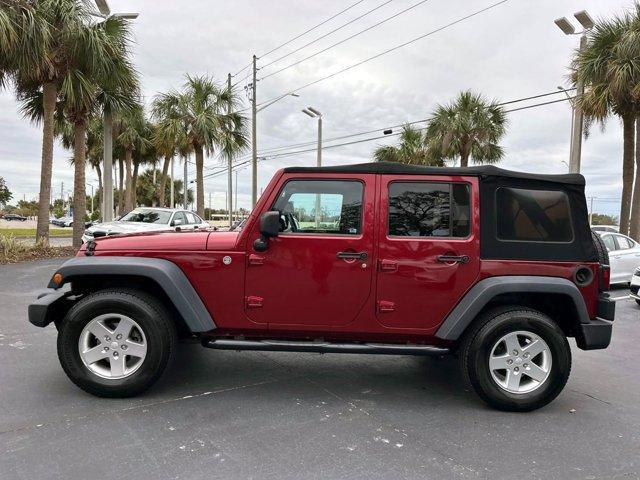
<point x="365" y="378"/>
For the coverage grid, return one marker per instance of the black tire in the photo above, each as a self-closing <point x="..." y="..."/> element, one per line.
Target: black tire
<point x="150" y="315"/>
<point x="603" y="253"/>
<point x="638" y="301"/>
<point x="487" y="330"/>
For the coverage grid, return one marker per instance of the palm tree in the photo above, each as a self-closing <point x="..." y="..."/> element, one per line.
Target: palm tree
<point x="203" y="108"/>
<point x="40" y="37"/>
<point x="468" y="128"/>
<point x="170" y="134"/>
<point x="131" y="138"/>
<point x="410" y="151"/>
<point x="609" y="69"/>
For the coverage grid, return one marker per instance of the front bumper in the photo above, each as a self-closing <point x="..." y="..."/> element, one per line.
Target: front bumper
<point x="49" y="307"/>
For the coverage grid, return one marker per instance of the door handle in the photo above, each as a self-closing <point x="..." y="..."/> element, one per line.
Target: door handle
<point x="352" y="255"/>
<point x="385" y="306"/>
<point x="453" y="258"/>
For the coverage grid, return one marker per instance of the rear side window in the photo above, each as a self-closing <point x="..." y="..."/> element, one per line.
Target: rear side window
<point x="429" y="209"/>
<point x="609" y="242"/>
<point x="321" y="207"/>
<point x="533" y="215"/>
<point x="624" y="243"/>
<point x="191" y="218"/>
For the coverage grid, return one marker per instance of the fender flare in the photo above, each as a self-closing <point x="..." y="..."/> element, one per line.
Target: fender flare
<point x="166" y="274"/>
<point x="484" y="291"/>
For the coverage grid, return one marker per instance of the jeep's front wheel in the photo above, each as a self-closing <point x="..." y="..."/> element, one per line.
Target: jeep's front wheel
<point x="116" y="343"/>
<point x="516" y="359"/>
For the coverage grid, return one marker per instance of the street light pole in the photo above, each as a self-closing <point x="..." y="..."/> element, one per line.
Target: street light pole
<point x="229" y="160"/>
<point x="573" y="114"/>
<point x="107" y="156"/>
<point x="578" y="117"/>
<point x="313" y="113"/>
<point x="107" y="160"/>
<point x="254" y="141"/>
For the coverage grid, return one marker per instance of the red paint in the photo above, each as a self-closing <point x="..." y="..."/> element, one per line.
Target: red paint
<point x="300" y="289"/>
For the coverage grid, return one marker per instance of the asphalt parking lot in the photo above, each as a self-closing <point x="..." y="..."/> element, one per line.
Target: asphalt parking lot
<point x="219" y="414"/>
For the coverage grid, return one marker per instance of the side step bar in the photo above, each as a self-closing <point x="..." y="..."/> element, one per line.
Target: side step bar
<point x="323" y="347"/>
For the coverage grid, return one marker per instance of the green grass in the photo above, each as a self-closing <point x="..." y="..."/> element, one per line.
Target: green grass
<point x="31" y="232"/>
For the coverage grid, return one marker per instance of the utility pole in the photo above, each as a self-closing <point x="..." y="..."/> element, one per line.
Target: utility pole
<point x="254" y="140"/>
<point x="229" y="160"/>
<point x="591" y="212"/>
<point x="185" y="181"/>
<point x="578" y="121"/>
<point x="236" y="192"/>
<point x="62" y="193"/>
<point x="171" y="204"/>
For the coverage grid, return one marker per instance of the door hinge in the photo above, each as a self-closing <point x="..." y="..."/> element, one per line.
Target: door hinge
<point x="388" y="265"/>
<point x="385" y="306"/>
<point x="253" y="302"/>
<point x="256" y="259"/>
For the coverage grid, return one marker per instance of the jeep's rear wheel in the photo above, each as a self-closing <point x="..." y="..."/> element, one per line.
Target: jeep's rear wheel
<point x="516" y="359"/>
<point x="116" y="343"/>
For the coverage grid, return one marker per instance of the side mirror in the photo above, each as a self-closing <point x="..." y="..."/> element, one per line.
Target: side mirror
<point x="270" y="224"/>
<point x="269" y="227"/>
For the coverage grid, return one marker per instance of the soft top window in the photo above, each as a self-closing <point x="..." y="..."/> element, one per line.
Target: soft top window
<point x="533" y="215"/>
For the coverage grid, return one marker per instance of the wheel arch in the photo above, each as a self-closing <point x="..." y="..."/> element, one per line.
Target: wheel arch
<point x="556" y="297"/>
<point x="161" y="278"/>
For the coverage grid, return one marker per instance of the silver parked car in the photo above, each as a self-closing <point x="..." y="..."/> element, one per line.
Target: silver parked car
<point x="147" y="220"/>
<point x="624" y="255"/>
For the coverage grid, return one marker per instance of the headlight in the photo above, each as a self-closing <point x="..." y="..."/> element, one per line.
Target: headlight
<point x="637" y="272"/>
<point x="88" y="233"/>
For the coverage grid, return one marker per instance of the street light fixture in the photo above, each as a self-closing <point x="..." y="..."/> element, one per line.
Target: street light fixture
<point x="577" y="118"/>
<point x="107" y="156"/>
<point x="313" y="113"/>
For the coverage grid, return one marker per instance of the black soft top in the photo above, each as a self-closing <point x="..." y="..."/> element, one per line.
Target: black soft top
<point x="483" y="171"/>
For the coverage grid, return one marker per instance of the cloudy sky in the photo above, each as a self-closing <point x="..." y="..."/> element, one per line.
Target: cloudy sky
<point x="506" y="53"/>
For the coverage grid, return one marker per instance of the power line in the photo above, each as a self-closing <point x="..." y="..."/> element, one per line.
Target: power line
<point x="397" y="47"/>
<point x="328" y="33"/>
<point x="342" y="137"/>
<point x="311" y="29"/>
<point x="325" y="147"/>
<point x="345" y="39"/>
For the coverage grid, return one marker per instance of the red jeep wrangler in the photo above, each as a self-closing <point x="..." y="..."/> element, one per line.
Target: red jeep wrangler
<point x="495" y="266"/>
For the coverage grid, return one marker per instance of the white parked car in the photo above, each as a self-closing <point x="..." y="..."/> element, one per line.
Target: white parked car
<point x="147" y="220"/>
<point x="624" y="256"/>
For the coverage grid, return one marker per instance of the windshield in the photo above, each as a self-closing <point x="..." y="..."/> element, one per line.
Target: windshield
<point x="147" y="216"/>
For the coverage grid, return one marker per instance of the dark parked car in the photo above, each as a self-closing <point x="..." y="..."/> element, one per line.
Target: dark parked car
<point x="14" y="216"/>
<point x="497" y="267"/>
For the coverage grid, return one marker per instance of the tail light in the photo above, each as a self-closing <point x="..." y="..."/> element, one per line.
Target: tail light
<point x="605" y="278"/>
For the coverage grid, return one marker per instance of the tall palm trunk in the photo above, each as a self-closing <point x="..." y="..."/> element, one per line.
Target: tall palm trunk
<point x="134" y="185"/>
<point x="79" y="188"/>
<point x="128" y="197"/>
<point x="634" y="221"/>
<point x="120" y="187"/>
<point x="628" y="133"/>
<point x="50" y="93"/>
<point x="163" y="181"/>
<point x="464" y="154"/>
<point x="199" y="180"/>
<point x="99" y="195"/>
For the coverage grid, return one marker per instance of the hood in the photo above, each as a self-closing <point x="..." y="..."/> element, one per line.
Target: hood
<point x="159" y="241"/>
<point x="128" y="227"/>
